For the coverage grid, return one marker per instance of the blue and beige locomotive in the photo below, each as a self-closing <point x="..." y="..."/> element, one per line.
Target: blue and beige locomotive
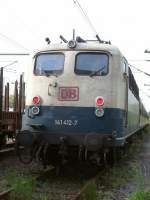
<point x="81" y="102"/>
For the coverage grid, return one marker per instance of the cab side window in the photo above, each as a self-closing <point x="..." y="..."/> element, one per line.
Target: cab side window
<point x="125" y="66"/>
<point x="133" y="85"/>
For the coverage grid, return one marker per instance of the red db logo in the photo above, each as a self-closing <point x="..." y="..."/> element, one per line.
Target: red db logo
<point x="68" y="94"/>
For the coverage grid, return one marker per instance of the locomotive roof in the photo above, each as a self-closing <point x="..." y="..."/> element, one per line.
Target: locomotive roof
<point x="93" y="46"/>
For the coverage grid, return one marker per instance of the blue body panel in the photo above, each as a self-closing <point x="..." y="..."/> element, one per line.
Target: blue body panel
<point x="82" y="120"/>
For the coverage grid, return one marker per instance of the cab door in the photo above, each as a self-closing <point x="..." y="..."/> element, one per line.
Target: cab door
<point x="126" y="80"/>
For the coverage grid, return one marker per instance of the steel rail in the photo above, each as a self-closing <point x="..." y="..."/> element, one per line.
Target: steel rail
<point x="80" y="194"/>
<point x="6" y="194"/>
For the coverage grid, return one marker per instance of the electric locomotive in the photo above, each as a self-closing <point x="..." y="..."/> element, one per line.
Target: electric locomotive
<point x="81" y="102"/>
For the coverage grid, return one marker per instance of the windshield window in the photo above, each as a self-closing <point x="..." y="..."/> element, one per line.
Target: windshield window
<point x="49" y="64"/>
<point x="93" y="64"/>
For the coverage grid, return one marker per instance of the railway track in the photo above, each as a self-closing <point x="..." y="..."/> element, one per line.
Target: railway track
<point x="71" y="184"/>
<point x="7" y="147"/>
<point x="83" y="193"/>
<point x="74" y="183"/>
<point x="6" y="152"/>
<point x="64" y="186"/>
<point x="6" y="194"/>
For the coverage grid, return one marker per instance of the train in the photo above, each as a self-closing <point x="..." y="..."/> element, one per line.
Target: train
<point x="82" y="101"/>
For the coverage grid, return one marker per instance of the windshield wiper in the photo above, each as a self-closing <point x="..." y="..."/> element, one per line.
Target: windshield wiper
<point x="96" y="72"/>
<point x="49" y="73"/>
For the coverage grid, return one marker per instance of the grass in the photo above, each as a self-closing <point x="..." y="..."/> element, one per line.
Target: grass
<point x="116" y="178"/>
<point x="140" y="195"/>
<point x="124" y="172"/>
<point x="113" y="179"/>
<point x="119" y="175"/>
<point x="22" y="186"/>
<point x="90" y="191"/>
<point x="43" y="197"/>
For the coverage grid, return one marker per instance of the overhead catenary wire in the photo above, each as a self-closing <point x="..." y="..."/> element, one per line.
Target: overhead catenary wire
<point x="28" y="28"/>
<point x="140" y="70"/>
<point x="12" y="63"/>
<point x="9" y="69"/>
<point x="145" y="84"/>
<point x="139" y="60"/>
<point x="87" y="19"/>
<point x="85" y="15"/>
<point x="14" y="54"/>
<point x="6" y="61"/>
<point x="22" y="23"/>
<point x="13" y="41"/>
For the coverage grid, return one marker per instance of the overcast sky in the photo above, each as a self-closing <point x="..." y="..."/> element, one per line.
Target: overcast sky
<point x="125" y="23"/>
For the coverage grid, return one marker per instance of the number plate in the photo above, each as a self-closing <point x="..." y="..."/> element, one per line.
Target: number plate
<point x="68" y="94"/>
<point x="66" y="122"/>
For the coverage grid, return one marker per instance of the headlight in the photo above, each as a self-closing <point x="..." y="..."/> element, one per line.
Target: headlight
<point x="35" y="110"/>
<point x="72" y="44"/>
<point x="99" y="112"/>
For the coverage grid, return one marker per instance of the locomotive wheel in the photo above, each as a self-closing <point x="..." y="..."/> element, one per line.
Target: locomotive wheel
<point x="24" y="146"/>
<point x="24" y="153"/>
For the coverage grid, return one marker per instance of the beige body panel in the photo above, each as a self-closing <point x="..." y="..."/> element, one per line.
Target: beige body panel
<point x="110" y="87"/>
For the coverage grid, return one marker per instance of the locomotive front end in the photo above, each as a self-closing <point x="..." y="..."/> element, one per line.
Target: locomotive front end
<point x="70" y="104"/>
